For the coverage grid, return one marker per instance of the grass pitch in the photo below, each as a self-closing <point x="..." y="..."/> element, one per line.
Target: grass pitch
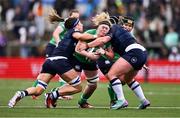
<point x="165" y="102"/>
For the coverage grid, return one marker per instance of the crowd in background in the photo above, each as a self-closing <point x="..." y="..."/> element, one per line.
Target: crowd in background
<point x="24" y="28"/>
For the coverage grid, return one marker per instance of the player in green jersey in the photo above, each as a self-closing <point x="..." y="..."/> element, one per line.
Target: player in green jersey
<point x="87" y="60"/>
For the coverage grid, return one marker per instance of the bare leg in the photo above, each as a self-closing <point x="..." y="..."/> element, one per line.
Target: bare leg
<point x="43" y="80"/>
<point x="72" y="78"/>
<point x="118" y="69"/>
<point x="92" y="79"/>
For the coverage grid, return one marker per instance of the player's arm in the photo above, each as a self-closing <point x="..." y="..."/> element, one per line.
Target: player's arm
<point x="56" y="33"/>
<point x="85" y="53"/>
<point x="83" y="36"/>
<point x="99" y="41"/>
<point x="89" y="55"/>
<point x="108" y="52"/>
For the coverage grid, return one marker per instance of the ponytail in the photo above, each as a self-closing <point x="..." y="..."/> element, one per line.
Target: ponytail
<point x="54" y="17"/>
<point x="100" y="17"/>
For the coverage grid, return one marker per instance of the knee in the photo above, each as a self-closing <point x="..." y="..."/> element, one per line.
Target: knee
<point x="109" y="76"/>
<point x="41" y="86"/>
<point x="76" y="83"/>
<point x="39" y="91"/>
<point x="92" y="81"/>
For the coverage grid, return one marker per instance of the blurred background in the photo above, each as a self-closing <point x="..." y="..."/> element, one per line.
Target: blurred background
<point x="25" y="31"/>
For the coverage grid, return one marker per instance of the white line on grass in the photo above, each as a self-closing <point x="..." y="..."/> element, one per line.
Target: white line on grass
<point x="161" y="93"/>
<point x="100" y="107"/>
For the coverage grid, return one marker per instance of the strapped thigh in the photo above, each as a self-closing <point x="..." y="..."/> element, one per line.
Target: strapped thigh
<point x="93" y="80"/>
<point x="76" y="81"/>
<point x="42" y="84"/>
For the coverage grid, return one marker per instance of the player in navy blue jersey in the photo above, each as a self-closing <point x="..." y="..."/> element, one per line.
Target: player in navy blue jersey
<point x="57" y="36"/>
<point x="59" y="63"/>
<point x="104" y="64"/>
<point x="132" y="58"/>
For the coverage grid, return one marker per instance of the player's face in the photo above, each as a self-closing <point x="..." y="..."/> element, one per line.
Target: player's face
<point x="80" y="26"/>
<point x="102" y="30"/>
<point x="75" y="15"/>
<point x="127" y="27"/>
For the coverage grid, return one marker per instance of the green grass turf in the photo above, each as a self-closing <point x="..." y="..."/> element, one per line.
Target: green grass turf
<point x="165" y="102"/>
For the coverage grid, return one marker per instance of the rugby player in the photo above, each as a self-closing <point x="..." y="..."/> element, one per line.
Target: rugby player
<point x="58" y="35"/>
<point x="133" y="57"/>
<point x="58" y="63"/>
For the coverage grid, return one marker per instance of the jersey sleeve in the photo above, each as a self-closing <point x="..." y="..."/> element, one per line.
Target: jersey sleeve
<point x="61" y="24"/>
<point x="91" y="31"/>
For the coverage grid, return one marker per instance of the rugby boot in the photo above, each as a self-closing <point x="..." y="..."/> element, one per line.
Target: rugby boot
<point x="13" y="101"/>
<point x="144" y="104"/>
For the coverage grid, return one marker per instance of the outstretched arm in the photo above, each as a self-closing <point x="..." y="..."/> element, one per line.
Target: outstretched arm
<point x="83" y="36"/>
<point x="99" y="41"/>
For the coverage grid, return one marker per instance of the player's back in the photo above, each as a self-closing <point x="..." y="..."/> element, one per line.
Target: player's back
<point x="66" y="47"/>
<point x="121" y="39"/>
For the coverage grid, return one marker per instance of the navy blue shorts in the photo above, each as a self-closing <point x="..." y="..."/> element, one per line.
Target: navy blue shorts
<point x="104" y="65"/>
<point x="79" y="66"/>
<point x="89" y="66"/>
<point x="76" y="64"/>
<point x="59" y="66"/>
<point x="136" y="57"/>
<point x="49" y="50"/>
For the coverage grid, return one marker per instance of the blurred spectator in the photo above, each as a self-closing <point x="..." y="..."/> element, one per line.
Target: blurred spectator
<point x="174" y="55"/>
<point x="3" y="43"/>
<point x="171" y="38"/>
<point x="5" y="6"/>
<point x="31" y="27"/>
<point x="85" y="7"/>
<point x="18" y="21"/>
<point x="153" y="20"/>
<point x="38" y="10"/>
<point x="23" y="42"/>
<point x="101" y="5"/>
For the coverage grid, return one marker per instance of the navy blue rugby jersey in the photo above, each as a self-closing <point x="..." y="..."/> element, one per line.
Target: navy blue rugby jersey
<point x="120" y="39"/>
<point x="66" y="47"/>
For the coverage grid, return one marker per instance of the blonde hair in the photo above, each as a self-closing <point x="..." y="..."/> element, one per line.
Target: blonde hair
<point x="73" y="11"/>
<point x="54" y="17"/>
<point x="104" y="16"/>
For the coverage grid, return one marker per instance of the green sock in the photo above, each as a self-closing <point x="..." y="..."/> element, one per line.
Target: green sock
<point x="83" y="99"/>
<point x="111" y="93"/>
<point x="35" y="83"/>
<point x="61" y="82"/>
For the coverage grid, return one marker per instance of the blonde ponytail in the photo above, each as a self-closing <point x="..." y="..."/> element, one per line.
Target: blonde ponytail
<point x="54" y="17"/>
<point x="100" y="17"/>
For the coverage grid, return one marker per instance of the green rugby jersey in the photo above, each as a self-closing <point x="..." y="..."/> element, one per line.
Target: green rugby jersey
<point x="61" y="35"/>
<point x="84" y="59"/>
<point x="116" y="55"/>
